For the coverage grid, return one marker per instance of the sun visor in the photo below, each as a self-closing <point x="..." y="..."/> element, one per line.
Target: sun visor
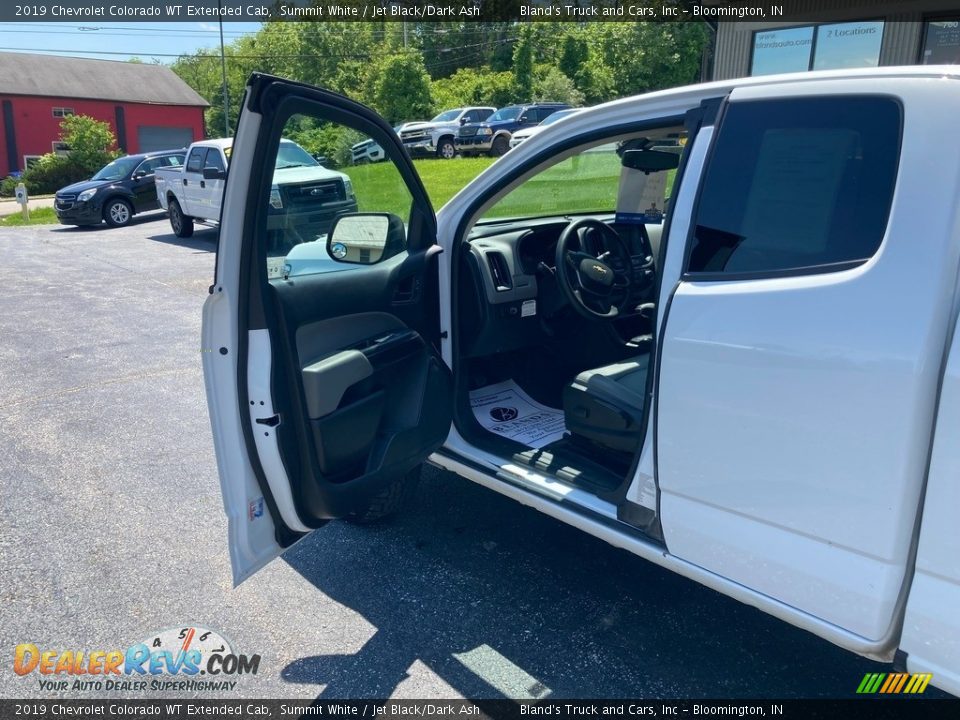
<point x="640" y="199"/>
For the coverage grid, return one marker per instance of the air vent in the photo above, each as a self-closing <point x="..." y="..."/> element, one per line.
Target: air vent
<point x="499" y="271"/>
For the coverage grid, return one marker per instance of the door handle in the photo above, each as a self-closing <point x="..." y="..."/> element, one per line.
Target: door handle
<point x="184" y="181"/>
<point x="203" y="184"/>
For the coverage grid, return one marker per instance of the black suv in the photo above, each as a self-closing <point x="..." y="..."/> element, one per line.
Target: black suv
<point x="117" y="192"/>
<point x="492" y="136"/>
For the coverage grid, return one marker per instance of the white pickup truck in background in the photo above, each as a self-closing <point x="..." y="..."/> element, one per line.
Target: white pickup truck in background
<point x="304" y="199"/>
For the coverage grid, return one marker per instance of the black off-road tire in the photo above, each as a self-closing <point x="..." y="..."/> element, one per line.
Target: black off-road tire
<point x="117" y="212"/>
<point x="500" y="146"/>
<point x="181" y="224"/>
<point x="389" y="501"/>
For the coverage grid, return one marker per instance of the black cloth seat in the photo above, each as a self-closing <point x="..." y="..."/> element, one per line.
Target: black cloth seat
<point x="607" y="404"/>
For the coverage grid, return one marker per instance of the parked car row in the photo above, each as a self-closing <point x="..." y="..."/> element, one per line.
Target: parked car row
<point x="129" y="185"/>
<point x="466" y="131"/>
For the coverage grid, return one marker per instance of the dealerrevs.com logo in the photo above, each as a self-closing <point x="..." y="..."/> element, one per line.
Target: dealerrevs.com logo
<point x="183" y="659"/>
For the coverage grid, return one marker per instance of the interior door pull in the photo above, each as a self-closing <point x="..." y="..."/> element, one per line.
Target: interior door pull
<point x="408" y="290"/>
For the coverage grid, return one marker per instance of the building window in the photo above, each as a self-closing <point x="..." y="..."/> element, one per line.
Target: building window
<point x="941" y="42"/>
<point x="30" y="160"/>
<point x="781" y="51"/>
<point x="797" y="186"/>
<point x="60" y="148"/>
<point x="62" y="111"/>
<point x="848" y="45"/>
<point x="820" y="47"/>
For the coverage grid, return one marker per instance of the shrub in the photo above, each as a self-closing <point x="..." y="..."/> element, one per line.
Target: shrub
<point x="52" y="172"/>
<point x="8" y="186"/>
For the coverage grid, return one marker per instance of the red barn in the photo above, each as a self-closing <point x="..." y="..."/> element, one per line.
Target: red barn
<point x="148" y="106"/>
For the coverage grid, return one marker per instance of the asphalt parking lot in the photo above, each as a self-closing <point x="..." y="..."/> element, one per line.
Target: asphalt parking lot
<point x="112" y="529"/>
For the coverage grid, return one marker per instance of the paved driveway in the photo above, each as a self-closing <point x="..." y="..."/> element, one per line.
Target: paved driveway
<point x="111" y="529"/>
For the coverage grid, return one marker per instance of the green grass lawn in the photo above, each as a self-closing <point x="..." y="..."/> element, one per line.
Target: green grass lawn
<point x="585" y="183"/>
<point x="39" y="216"/>
<point x="380" y="188"/>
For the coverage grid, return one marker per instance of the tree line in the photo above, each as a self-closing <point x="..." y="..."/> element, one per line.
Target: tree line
<point x="411" y="71"/>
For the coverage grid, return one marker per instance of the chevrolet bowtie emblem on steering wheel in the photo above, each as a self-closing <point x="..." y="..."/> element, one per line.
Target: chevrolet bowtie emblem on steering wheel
<point x="600" y="269"/>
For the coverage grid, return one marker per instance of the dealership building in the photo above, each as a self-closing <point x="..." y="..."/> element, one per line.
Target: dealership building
<point x="832" y="34"/>
<point x="147" y="106"/>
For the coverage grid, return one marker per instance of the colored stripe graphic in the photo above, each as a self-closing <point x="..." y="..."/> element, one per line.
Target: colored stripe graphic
<point x="894" y="683"/>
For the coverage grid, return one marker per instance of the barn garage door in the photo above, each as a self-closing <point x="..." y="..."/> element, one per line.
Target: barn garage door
<point x="154" y="137"/>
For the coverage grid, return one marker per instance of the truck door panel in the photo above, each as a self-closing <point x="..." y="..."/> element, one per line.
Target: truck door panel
<point x="798" y="372"/>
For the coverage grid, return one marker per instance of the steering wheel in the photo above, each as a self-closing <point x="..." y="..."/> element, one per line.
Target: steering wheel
<point x="593" y="269"/>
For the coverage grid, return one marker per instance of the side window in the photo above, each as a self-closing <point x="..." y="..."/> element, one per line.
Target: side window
<point x="366" y="205"/>
<point x="599" y="180"/>
<point x="797" y="184"/>
<point x="470" y="117"/>
<point x="195" y="161"/>
<point x="483" y="115"/>
<point x="147" y="167"/>
<point x="173" y="161"/>
<point x="214" y="159"/>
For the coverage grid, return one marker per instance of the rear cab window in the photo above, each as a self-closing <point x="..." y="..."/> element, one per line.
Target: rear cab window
<point x="797" y="186"/>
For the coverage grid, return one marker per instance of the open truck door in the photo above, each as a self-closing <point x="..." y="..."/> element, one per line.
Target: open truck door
<point x="320" y="334"/>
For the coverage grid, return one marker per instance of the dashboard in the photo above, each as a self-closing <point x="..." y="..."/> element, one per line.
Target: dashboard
<point x="507" y="284"/>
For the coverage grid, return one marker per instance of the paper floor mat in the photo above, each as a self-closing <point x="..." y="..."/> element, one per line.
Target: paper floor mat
<point x="508" y="411"/>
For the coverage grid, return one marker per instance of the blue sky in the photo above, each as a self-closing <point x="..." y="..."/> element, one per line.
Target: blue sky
<point x="119" y="41"/>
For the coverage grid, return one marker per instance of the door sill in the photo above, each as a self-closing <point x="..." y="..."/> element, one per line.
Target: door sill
<point x="460" y="452"/>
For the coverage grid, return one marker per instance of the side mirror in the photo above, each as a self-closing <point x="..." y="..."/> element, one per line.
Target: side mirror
<point x="463" y="121"/>
<point x="212" y="173"/>
<point x="524" y="118"/>
<point x="139" y="174"/>
<point x="366" y="238"/>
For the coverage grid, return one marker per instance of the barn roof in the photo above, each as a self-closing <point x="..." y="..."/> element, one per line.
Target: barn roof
<point x="71" y="77"/>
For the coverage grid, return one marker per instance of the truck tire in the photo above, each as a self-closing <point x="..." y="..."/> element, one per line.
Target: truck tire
<point x="500" y="145"/>
<point x="389" y="502"/>
<point x="446" y="149"/>
<point x="117" y="212"/>
<point x="181" y="224"/>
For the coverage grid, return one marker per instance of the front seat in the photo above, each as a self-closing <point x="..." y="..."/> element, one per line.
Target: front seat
<point x="606" y="405"/>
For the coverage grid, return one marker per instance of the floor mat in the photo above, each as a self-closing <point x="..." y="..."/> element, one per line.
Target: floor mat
<point x="508" y="411"/>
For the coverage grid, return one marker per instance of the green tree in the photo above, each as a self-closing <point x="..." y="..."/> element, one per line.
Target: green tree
<point x="523" y="62"/>
<point x="92" y="143"/>
<point x="557" y="87"/>
<point x="573" y="54"/>
<point x="402" y="88"/>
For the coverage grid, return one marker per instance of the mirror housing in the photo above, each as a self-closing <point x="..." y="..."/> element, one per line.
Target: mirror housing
<point x="649" y="161"/>
<point x="366" y="238"/>
<point x="212" y="173"/>
<point x="139" y="174"/>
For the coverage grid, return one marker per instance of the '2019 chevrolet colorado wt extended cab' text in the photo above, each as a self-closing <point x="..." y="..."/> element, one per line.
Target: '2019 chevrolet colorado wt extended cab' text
<point x="714" y="325"/>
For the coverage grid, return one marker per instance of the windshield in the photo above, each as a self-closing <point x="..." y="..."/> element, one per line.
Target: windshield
<point x="447" y="116"/>
<point x="118" y="169"/>
<point x="292" y="155"/>
<point x="559" y="115"/>
<point x="507" y="113"/>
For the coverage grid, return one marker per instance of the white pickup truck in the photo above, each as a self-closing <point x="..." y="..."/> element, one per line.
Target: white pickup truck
<point x="438" y="136"/>
<point x="755" y="384"/>
<point x="304" y="199"/>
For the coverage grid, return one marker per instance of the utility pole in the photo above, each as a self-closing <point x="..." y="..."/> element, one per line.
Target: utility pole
<point x="223" y="70"/>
